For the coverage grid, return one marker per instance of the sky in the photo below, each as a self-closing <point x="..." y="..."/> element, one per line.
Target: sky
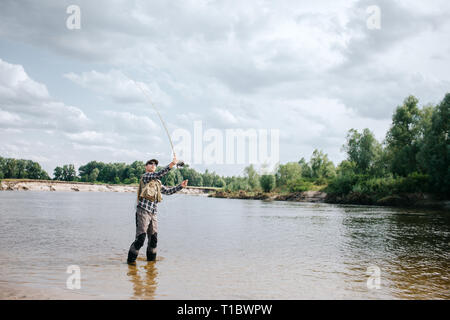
<point x="312" y="70"/>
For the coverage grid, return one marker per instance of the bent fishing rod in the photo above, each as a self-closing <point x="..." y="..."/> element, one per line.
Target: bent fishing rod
<point x="179" y="163"/>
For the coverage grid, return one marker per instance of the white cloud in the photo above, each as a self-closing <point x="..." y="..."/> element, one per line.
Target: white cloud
<point x="226" y="116"/>
<point x="27" y="104"/>
<point x="9" y="119"/>
<point x="17" y="87"/>
<point x="93" y="137"/>
<point x="120" y="88"/>
<point x="132" y="121"/>
<point x="313" y="70"/>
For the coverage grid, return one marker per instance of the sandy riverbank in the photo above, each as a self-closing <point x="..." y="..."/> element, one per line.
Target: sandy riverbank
<point x="46" y="185"/>
<point x="49" y="185"/>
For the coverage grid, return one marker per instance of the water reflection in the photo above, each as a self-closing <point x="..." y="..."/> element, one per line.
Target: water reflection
<point x="144" y="280"/>
<point x="411" y="249"/>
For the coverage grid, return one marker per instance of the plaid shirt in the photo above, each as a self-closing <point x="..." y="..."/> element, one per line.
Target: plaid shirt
<point x="148" y="205"/>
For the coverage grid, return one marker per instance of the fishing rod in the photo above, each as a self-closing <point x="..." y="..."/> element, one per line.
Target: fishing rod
<point x="179" y="163"/>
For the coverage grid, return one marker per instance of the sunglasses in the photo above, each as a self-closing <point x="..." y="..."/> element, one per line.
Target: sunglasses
<point x="152" y="163"/>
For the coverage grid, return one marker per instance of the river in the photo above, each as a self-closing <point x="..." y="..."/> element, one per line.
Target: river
<point x="211" y="248"/>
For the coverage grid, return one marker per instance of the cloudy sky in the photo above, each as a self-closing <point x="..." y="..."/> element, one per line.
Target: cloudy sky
<point x="313" y="70"/>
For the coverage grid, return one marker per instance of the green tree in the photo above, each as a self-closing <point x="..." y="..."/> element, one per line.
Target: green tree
<point x="208" y="179"/>
<point x="426" y="122"/>
<point x="363" y="150"/>
<point x="94" y="175"/>
<point x="10" y="169"/>
<point x="267" y="182"/>
<point x="58" y="174"/>
<point x="194" y="177"/>
<point x="346" y="167"/>
<point x="219" y="182"/>
<point x="34" y="171"/>
<point x="169" y="179"/>
<point x="321" y="167"/>
<point x="68" y="172"/>
<point x="20" y="169"/>
<point x="403" y="138"/>
<point x="305" y="168"/>
<point x="2" y="167"/>
<point x="252" y="176"/>
<point x="435" y="150"/>
<point x="287" y="172"/>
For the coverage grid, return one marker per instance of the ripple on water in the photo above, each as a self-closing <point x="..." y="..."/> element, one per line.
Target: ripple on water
<point x="224" y="249"/>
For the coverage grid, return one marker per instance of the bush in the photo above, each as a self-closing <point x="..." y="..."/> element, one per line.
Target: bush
<point x="320" y="181"/>
<point x="379" y="186"/>
<point x="299" y="185"/>
<point x="134" y="180"/>
<point x="343" y="183"/>
<point x="414" y="182"/>
<point x="267" y="182"/>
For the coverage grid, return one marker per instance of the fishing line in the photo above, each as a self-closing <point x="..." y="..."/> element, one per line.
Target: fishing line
<point x="180" y="163"/>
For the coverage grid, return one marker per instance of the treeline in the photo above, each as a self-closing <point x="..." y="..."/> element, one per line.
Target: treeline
<point x="413" y="157"/>
<point x="290" y="177"/>
<point x="100" y="172"/>
<point x="21" y="169"/>
<point x="116" y="173"/>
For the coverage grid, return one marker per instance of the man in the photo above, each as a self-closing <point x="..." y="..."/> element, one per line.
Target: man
<point x="149" y="194"/>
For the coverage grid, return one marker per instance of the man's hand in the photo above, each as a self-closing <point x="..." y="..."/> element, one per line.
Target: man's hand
<point x="184" y="183"/>
<point x="174" y="162"/>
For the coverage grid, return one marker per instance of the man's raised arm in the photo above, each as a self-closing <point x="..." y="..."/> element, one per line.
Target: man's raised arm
<point x="146" y="177"/>
<point x="172" y="190"/>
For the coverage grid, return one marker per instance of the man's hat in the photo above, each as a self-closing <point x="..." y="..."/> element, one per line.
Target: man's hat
<point x="152" y="160"/>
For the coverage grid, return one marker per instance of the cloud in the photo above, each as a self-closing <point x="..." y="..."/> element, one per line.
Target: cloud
<point x="120" y="88"/>
<point x="10" y="119"/>
<point x="17" y="87"/>
<point x="93" y="138"/>
<point x="298" y="50"/>
<point x="313" y="70"/>
<point x="132" y="120"/>
<point x="110" y="153"/>
<point x="27" y="104"/>
<point x="226" y="116"/>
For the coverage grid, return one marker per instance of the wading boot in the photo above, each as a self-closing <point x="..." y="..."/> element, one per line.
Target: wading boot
<point x="151" y="254"/>
<point x="151" y="248"/>
<point x="131" y="257"/>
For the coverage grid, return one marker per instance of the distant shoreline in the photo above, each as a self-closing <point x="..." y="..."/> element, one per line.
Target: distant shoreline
<point x="407" y="200"/>
<point x="75" y="186"/>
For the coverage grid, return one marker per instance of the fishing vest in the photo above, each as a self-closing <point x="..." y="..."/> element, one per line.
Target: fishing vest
<point x="150" y="191"/>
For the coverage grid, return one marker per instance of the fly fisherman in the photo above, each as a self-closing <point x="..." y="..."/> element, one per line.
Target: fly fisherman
<point x="149" y="194"/>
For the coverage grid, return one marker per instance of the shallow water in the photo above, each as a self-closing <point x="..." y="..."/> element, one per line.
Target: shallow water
<point x="212" y="248"/>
